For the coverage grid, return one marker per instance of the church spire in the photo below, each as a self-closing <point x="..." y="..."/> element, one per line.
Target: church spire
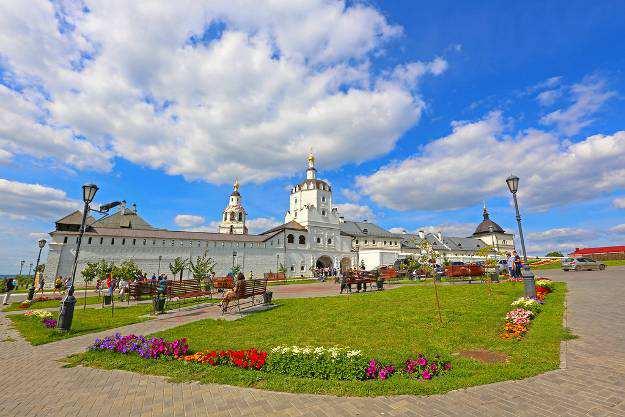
<point x="485" y="212"/>
<point x="311" y="172"/>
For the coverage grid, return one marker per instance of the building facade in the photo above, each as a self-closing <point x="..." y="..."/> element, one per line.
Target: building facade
<point x="314" y="235"/>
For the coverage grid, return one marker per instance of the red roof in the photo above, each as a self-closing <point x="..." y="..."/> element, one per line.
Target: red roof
<point x="604" y="249"/>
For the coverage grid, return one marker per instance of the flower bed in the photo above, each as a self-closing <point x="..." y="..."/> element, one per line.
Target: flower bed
<point x="304" y="362"/>
<point x="146" y="348"/>
<point x="519" y="319"/>
<point x="44" y="316"/>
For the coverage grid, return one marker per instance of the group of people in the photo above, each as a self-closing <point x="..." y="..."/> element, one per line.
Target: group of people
<point x="324" y="273"/>
<point x="515" y="265"/>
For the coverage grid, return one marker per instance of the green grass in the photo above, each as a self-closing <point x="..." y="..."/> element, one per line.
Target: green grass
<point x="389" y="325"/>
<point x="53" y="304"/>
<point x="85" y="321"/>
<point x="617" y="262"/>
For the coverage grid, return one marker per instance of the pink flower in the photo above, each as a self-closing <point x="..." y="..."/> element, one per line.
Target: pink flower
<point x="426" y="375"/>
<point x="422" y="361"/>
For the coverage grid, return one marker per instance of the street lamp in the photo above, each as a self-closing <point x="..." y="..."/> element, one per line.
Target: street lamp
<point x="31" y="291"/>
<point x="528" y="276"/>
<point x="21" y="267"/>
<point x="160" y="258"/>
<point x="277" y="264"/>
<point x="67" y="305"/>
<point x="234" y="255"/>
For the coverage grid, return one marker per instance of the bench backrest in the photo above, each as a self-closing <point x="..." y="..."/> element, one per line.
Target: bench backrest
<point x="223" y="282"/>
<point x="184" y="286"/>
<point x="272" y="276"/>
<point x="252" y="287"/>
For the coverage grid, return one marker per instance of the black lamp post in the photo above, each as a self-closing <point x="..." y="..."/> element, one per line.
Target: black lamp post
<point x="67" y="306"/>
<point x="21" y="267"/>
<point x="160" y="258"/>
<point x="234" y="256"/>
<point x="528" y="276"/>
<point x="31" y="291"/>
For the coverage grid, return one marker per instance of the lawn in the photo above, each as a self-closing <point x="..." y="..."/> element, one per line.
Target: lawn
<point x="53" y="303"/>
<point x="390" y="325"/>
<point x="85" y="321"/>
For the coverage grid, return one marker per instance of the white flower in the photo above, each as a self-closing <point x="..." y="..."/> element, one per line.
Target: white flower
<point x="352" y="353"/>
<point x="319" y="350"/>
<point x="307" y="350"/>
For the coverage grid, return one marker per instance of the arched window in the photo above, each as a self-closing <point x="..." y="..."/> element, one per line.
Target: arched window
<point x="323" y="212"/>
<point x="302" y="240"/>
<point x="225" y="217"/>
<point x="240" y="216"/>
<point x="365" y="231"/>
<point x="232" y="216"/>
<point x="329" y="241"/>
<point x="231" y="229"/>
<point x="318" y="240"/>
<point x="290" y="239"/>
<point x="323" y="198"/>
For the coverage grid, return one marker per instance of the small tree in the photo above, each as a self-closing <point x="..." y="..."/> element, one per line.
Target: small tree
<point x="282" y="269"/>
<point x="488" y="252"/>
<point x="178" y="266"/>
<point x="555" y="254"/>
<point x="203" y="267"/>
<point x="128" y="270"/>
<point x="89" y="273"/>
<point x="103" y="269"/>
<point x="235" y="270"/>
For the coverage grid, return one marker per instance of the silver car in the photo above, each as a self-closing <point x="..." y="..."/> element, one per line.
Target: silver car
<point x="580" y="264"/>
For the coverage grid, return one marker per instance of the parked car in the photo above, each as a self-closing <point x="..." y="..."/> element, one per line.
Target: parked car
<point x="579" y="264"/>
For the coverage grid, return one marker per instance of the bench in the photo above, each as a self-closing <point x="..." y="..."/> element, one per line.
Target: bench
<point x="223" y="283"/>
<point x="361" y="279"/>
<point x="187" y="288"/>
<point x="272" y="276"/>
<point x="464" y="273"/>
<point x="247" y="293"/>
<point x="137" y="289"/>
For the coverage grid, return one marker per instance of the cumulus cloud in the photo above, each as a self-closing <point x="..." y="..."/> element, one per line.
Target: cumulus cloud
<point x="5" y="156"/>
<point x="619" y="229"/>
<point x="22" y="200"/>
<point x="549" y="97"/>
<point x="190" y="87"/>
<point x="355" y="212"/>
<point x="588" y="97"/>
<point x="472" y="162"/>
<point x="188" y="220"/>
<point x="261" y="224"/>
<point x="562" y="234"/>
<point x="619" y="202"/>
<point x="350" y="194"/>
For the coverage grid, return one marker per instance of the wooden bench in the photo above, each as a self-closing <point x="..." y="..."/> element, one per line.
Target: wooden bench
<point x="223" y="283"/>
<point x="248" y="291"/>
<point x="187" y="288"/>
<point x="137" y="289"/>
<point x="464" y="273"/>
<point x="272" y="276"/>
<point x="360" y="278"/>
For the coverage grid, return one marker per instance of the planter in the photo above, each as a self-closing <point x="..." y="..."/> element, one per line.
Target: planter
<point x="267" y="296"/>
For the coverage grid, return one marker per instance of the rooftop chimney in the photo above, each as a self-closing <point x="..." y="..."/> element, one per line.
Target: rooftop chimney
<point x="421" y="234"/>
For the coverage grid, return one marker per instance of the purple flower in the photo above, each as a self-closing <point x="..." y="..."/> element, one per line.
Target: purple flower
<point x="426" y="375"/>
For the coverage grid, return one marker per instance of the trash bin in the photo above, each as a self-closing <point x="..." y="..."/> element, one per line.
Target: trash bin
<point x="108" y="300"/>
<point x="267" y="296"/>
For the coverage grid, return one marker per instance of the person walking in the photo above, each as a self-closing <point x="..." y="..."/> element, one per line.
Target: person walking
<point x="41" y="284"/>
<point x="518" y="265"/>
<point x="123" y="288"/>
<point x="58" y="284"/>
<point x="10" y="286"/>
<point x="510" y="263"/>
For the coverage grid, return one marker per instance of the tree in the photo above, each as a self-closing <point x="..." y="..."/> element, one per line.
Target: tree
<point x="89" y="273"/>
<point x="178" y="266"/>
<point x="203" y="267"/>
<point x="489" y="253"/>
<point x="555" y="254"/>
<point x="103" y="268"/>
<point x="128" y="270"/>
<point x="282" y="269"/>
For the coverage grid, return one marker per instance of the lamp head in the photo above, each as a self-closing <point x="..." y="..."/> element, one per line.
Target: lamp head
<point x="513" y="183"/>
<point x="41" y="243"/>
<point x="88" y="192"/>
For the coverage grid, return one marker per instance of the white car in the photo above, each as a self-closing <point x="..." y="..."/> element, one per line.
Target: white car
<point x="580" y="264"/>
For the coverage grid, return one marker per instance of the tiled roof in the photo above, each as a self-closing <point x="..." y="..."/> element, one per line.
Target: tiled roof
<point x="170" y="234"/>
<point x="292" y="225"/>
<point x="363" y="229"/>
<point x="598" y="250"/>
<point x="129" y="219"/>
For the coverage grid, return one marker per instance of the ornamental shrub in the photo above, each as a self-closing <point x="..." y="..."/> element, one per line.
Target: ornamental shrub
<point x="321" y="363"/>
<point x="146" y="348"/>
<point x="545" y="283"/>
<point x="530" y="304"/>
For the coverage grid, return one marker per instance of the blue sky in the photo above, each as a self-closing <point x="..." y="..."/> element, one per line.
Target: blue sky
<point x="416" y="111"/>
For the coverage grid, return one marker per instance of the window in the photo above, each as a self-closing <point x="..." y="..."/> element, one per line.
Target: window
<point x="144" y="242"/>
<point x="365" y="231"/>
<point x="385" y="243"/>
<point x="172" y="242"/>
<point x="292" y="267"/>
<point x="318" y="240"/>
<point x="302" y="240"/>
<point x="365" y="242"/>
<point x="290" y="238"/>
<point x="101" y="241"/>
<point x="329" y="241"/>
<point x="323" y="199"/>
<point x="163" y="243"/>
<point x="301" y="268"/>
<point x="153" y="242"/>
<point x="112" y="241"/>
<point x="65" y="239"/>
<point x="134" y="241"/>
<point x="232" y="216"/>
<point x="240" y="216"/>
<point x="323" y="212"/>
<point x="373" y="242"/>
<point x="295" y="201"/>
<point x="123" y="241"/>
<point x="356" y="241"/>
<point x="89" y="241"/>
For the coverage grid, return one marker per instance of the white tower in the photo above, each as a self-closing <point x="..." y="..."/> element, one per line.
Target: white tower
<point x="311" y="200"/>
<point x="233" y="219"/>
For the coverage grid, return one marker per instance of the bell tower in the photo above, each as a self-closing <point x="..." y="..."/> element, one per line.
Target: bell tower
<point x="233" y="216"/>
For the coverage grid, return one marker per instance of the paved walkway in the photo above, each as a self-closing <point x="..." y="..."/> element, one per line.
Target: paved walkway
<point x="591" y="381"/>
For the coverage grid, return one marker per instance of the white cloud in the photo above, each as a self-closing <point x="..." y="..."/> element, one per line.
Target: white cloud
<point x="472" y="163"/>
<point x="186" y="86"/>
<point x="547" y="98"/>
<point x="5" y="156"/>
<point x="188" y="220"/>
<point x="619" y="202"/>
<point x="355" y="212"/>
<point x="620" y="228"/>
<point x="588" y="97"/>
<point x="261" y="224"/>
<point x="22" y="200"/>
<point x="562" y="234"/>
<point x="350" y="194"/>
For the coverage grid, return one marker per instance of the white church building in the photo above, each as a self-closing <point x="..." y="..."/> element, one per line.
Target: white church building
<point x="314" y="235"/>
